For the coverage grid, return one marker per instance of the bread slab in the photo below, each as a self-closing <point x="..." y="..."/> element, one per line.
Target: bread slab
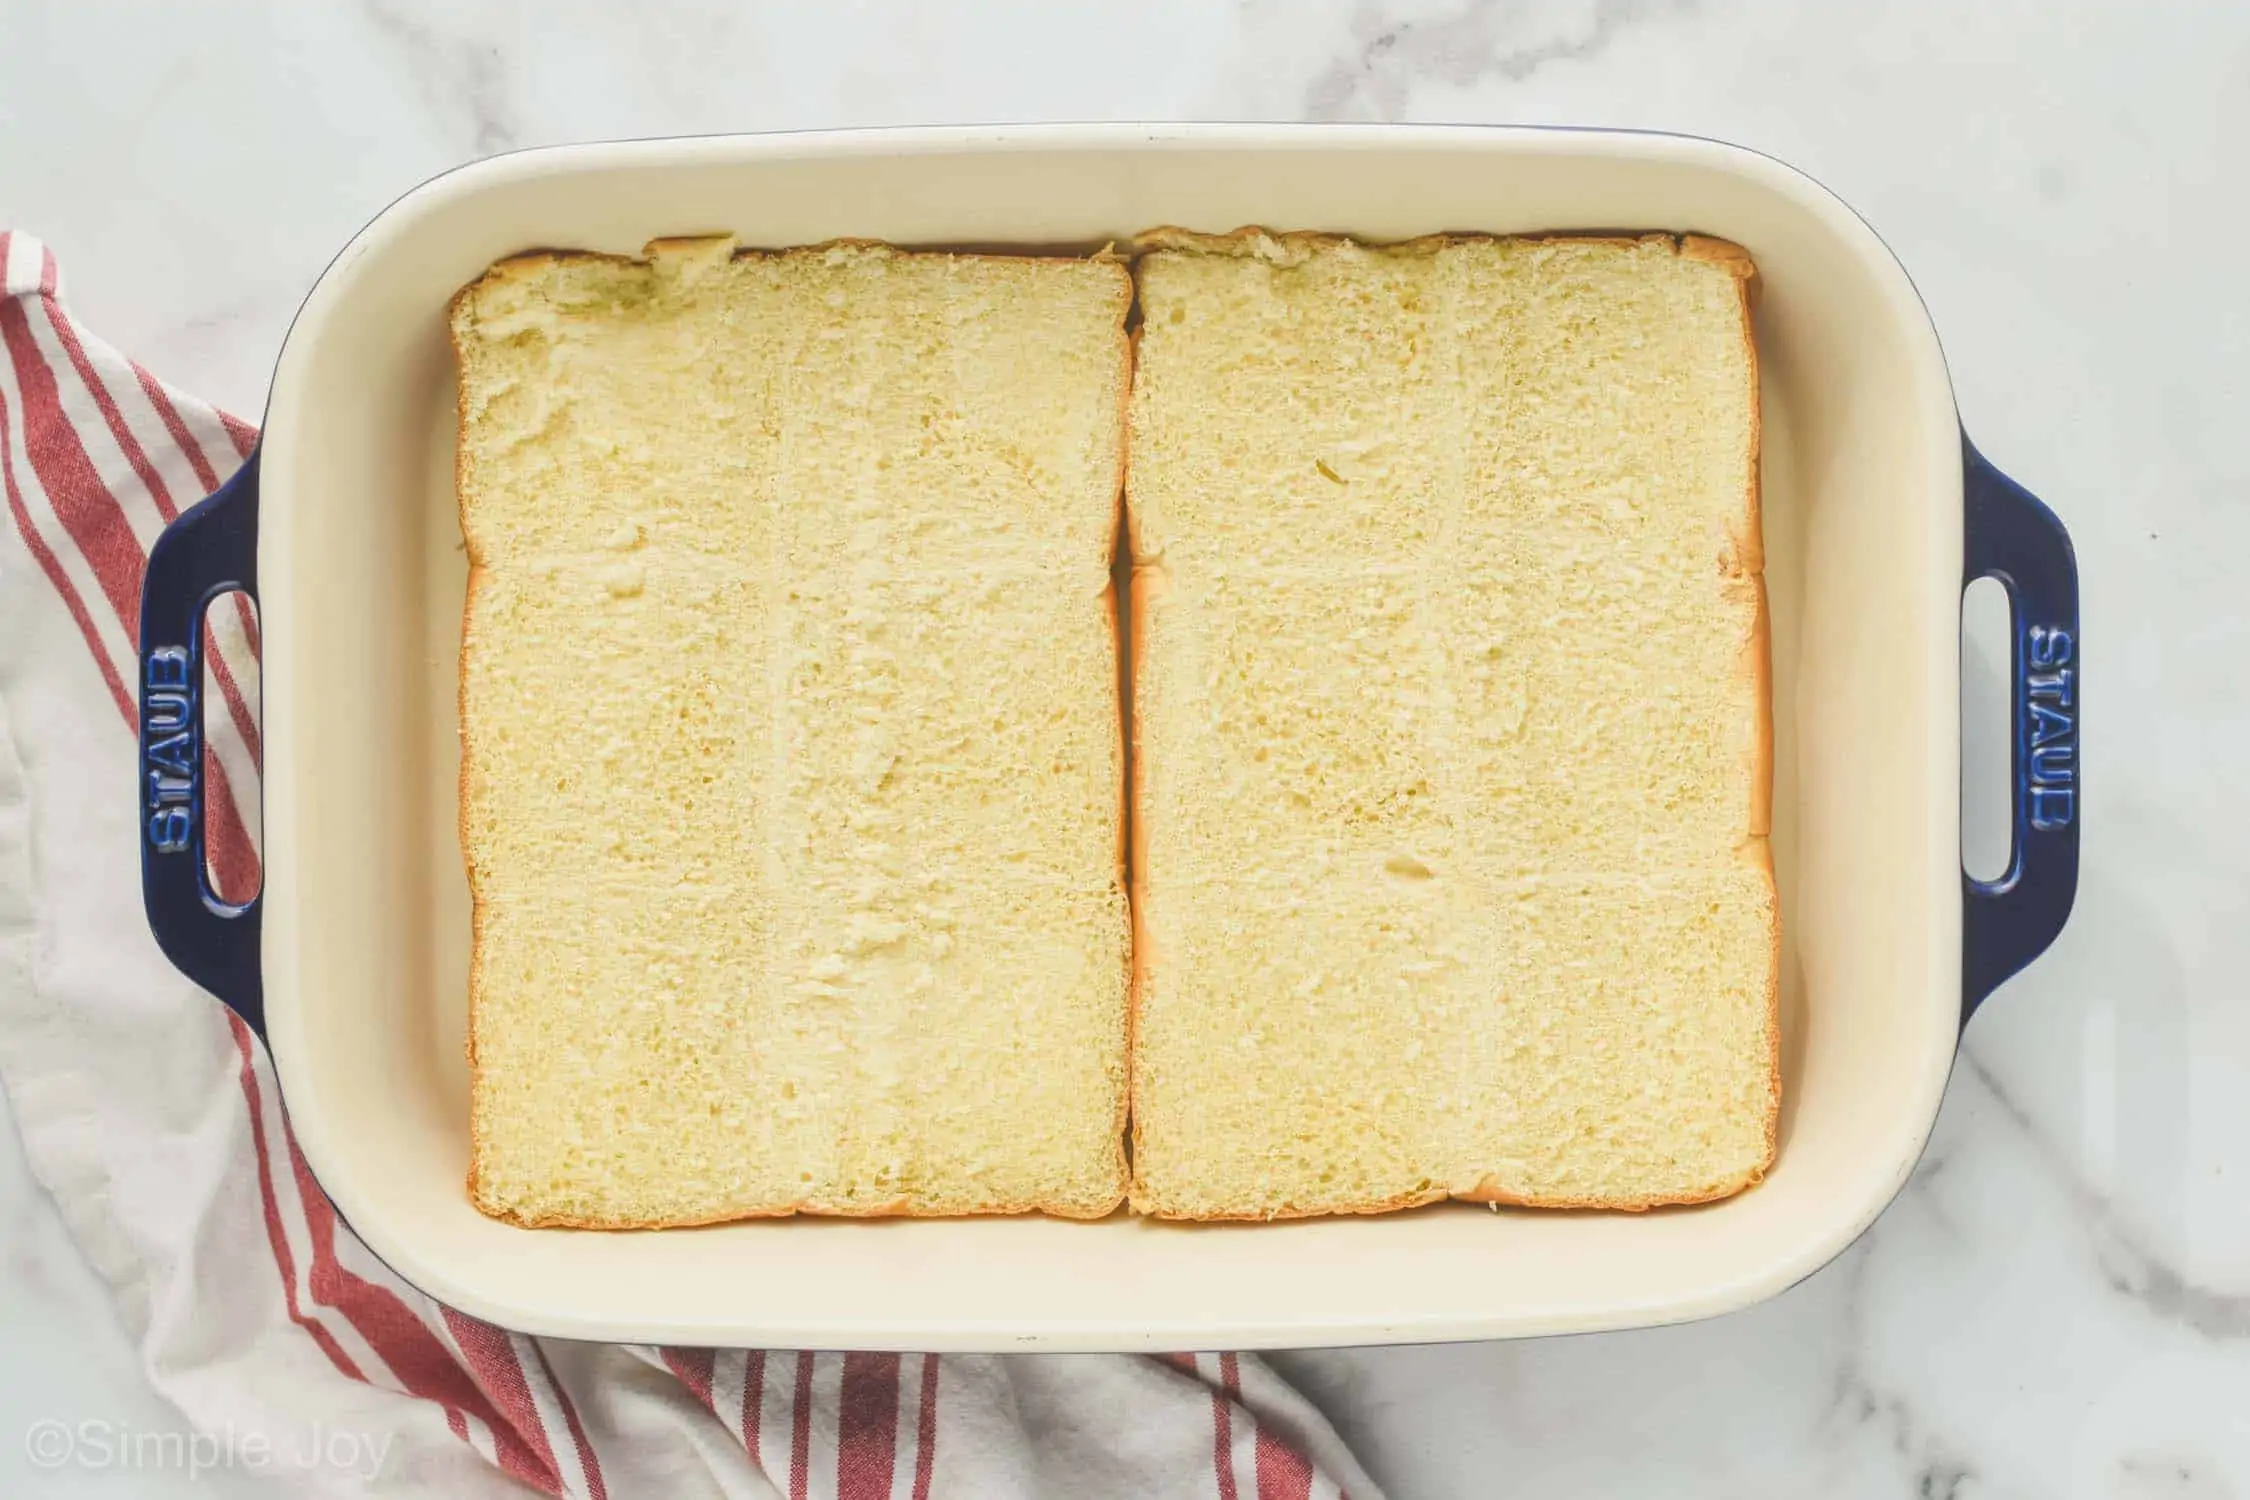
<point x="791" y="750"/>
<point x="1451" y="726"/>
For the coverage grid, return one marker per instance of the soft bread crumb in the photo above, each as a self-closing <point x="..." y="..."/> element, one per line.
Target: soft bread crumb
<point x="1450" y="722"/>
<point x="789" y="728"/>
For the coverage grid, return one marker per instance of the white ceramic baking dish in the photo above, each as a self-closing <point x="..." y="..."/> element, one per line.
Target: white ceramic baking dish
<point x="354" y="961"/>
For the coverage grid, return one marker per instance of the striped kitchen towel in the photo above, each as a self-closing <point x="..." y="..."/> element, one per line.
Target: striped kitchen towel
<point x="152" y="1116"/>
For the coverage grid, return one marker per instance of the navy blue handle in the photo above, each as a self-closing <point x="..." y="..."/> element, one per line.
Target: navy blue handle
<point x="210" y="550"/>
<point x="2008" y="922"/>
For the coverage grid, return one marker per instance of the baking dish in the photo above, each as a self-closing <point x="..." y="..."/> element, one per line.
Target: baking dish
<point x="353" y="961"/>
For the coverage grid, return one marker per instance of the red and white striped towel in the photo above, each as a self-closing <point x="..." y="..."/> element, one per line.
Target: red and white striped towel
<point x="153" y="1117"/>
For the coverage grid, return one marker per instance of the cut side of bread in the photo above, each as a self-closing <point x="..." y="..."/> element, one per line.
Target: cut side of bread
<point x="1451" y="732"/>
<point x="790" y="741"/>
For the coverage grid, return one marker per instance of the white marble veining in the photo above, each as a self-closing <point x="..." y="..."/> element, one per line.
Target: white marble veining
<point x="2059" y="1305"/>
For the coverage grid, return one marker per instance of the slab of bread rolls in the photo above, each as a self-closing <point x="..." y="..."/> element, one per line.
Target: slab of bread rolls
<point x="790" y="755"/>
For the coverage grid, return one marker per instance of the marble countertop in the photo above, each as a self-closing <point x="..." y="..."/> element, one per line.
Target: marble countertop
<point x="2059" y="1303"/>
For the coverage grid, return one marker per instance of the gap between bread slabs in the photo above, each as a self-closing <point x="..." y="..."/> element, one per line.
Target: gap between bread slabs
<point x="1128" y="768"/>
